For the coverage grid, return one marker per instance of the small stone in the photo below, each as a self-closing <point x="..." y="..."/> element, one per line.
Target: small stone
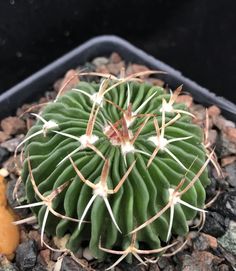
<point x="200" y="261"/>
<point x="4" y="154"/>
<point x="215" y="224"/>
<point x="153" y="267"/>
<point x="212" y="137"/>
<point x="228" y="241"/>
<point x="26" y="255"/>
<point x="34" y="235"/>
<point x="57" y="84"/>
<point x="11" y="144"/>
<point x="228" y="160"/>
<point x="10" y="165"/>
<point x="204" y="241"/>
<point x="200" y="113"/>
<point x="135" y="68"/>
<point x="226" y="204"/>
<point x="6" y="265"/>
<point x="214" y="111"/>
<point x="69" y="265"/>
<point x="115" y="58"/>
<point x="3" y="136"/>
<point x="45" y="255"/>
<point x="221" y="123"/>
<point x="87" y="254"/>
<point x="3" y="172"/>
<point x="212" y="241"/>
<point x="102" y="69"/>
<point x="98" y="61"/>
<point x="223" y="267"/>
<point x="225" y="147"/>
<point x="115" y="68"/>
<point x="231" y="134"/>
<point x="185" y="99"/>
<point x="40" y="267"/>
<point x="13" y="125"/>
<point x="20" y="194"/>
<point x="231" y="173"/>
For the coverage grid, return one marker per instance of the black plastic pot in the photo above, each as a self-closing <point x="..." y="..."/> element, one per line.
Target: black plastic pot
<point x="43" y="80"/>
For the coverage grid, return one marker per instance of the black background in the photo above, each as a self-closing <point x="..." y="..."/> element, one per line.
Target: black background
<point x="198" y="37"/>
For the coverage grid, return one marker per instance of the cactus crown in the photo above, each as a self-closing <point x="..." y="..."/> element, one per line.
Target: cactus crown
<point x="116" y="163"/>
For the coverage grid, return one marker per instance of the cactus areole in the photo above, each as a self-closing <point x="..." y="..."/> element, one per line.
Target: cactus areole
<point x="118" y="164"/>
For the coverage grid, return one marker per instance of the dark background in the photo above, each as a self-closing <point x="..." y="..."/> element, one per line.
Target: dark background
<point x="198" y="37"/>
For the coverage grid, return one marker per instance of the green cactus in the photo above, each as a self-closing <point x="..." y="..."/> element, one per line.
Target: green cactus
<point x="105" y="163"/>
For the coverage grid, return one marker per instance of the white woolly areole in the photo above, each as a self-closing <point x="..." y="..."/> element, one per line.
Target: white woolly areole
<point x="127" y="147"/>
<point x="166" y="108"/>
<point x="51" y="124"/>
<point x="173" y="198"/>
<point x="98" y="99"/>
<point x="160" y="142"/>
<point x="84" y="139"/>
<point x="100" y="190"/>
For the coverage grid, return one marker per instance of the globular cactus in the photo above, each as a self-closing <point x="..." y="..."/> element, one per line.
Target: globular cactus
<point x="119" y="164"/>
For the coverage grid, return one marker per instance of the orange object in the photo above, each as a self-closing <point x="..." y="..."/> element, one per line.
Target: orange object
<point x="9" y="233"/>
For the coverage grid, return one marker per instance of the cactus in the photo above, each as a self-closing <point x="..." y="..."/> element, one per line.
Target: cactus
<point x="117" y="163"/>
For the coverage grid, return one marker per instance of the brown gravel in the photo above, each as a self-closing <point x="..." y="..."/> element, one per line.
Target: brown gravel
<point x="13" y="125"/>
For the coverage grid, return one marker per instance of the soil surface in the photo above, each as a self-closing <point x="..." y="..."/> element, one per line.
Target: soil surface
<point x="211" y="248"/>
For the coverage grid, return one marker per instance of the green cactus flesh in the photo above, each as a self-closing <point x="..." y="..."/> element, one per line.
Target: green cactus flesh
<point x="146" y="189"/>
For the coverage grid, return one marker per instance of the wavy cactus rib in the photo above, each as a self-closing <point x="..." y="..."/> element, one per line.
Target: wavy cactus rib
<point x="117" y="153"/>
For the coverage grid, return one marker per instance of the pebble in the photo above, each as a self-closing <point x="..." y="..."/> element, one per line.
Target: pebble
<point x="87" y="254"/>
<point x="213" y="111"/>
<point x="224" y="147"/>
<point x="6" y="265"/>
<point x="11" y="144"/>
<point x="231" y="134"/>
<point x="98" y="61"/>
<point x="204" y="242"/>
<point x="69" y="265"/>
<point x="115" y="58"/>
<point x="22" y="212"/>
<point x="34" y="235"/>
<point x="185" y="99"/>
<point x="3" y="172"/>
<point x="4" y="154"/>
<point x="200" y="261"/>
<point x="13" y="125"/>
<point x="115" y="68"/>
<point x="226" y="204"/>
<point x="45" y="255"/>
<point x="228" y="240"/>
<point x="215" y="224"/>
<point x="102" y="69"/>
<point x="231" y="174"/>
<point x="212" y="137"/>
<point x="221" y="123"/>
<point x="26" y="255"/>
<point x="3" y="136"/>
<point x="10" y="165"/>
<point x="228" y="160"/>
<point x="135" y="68"/>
